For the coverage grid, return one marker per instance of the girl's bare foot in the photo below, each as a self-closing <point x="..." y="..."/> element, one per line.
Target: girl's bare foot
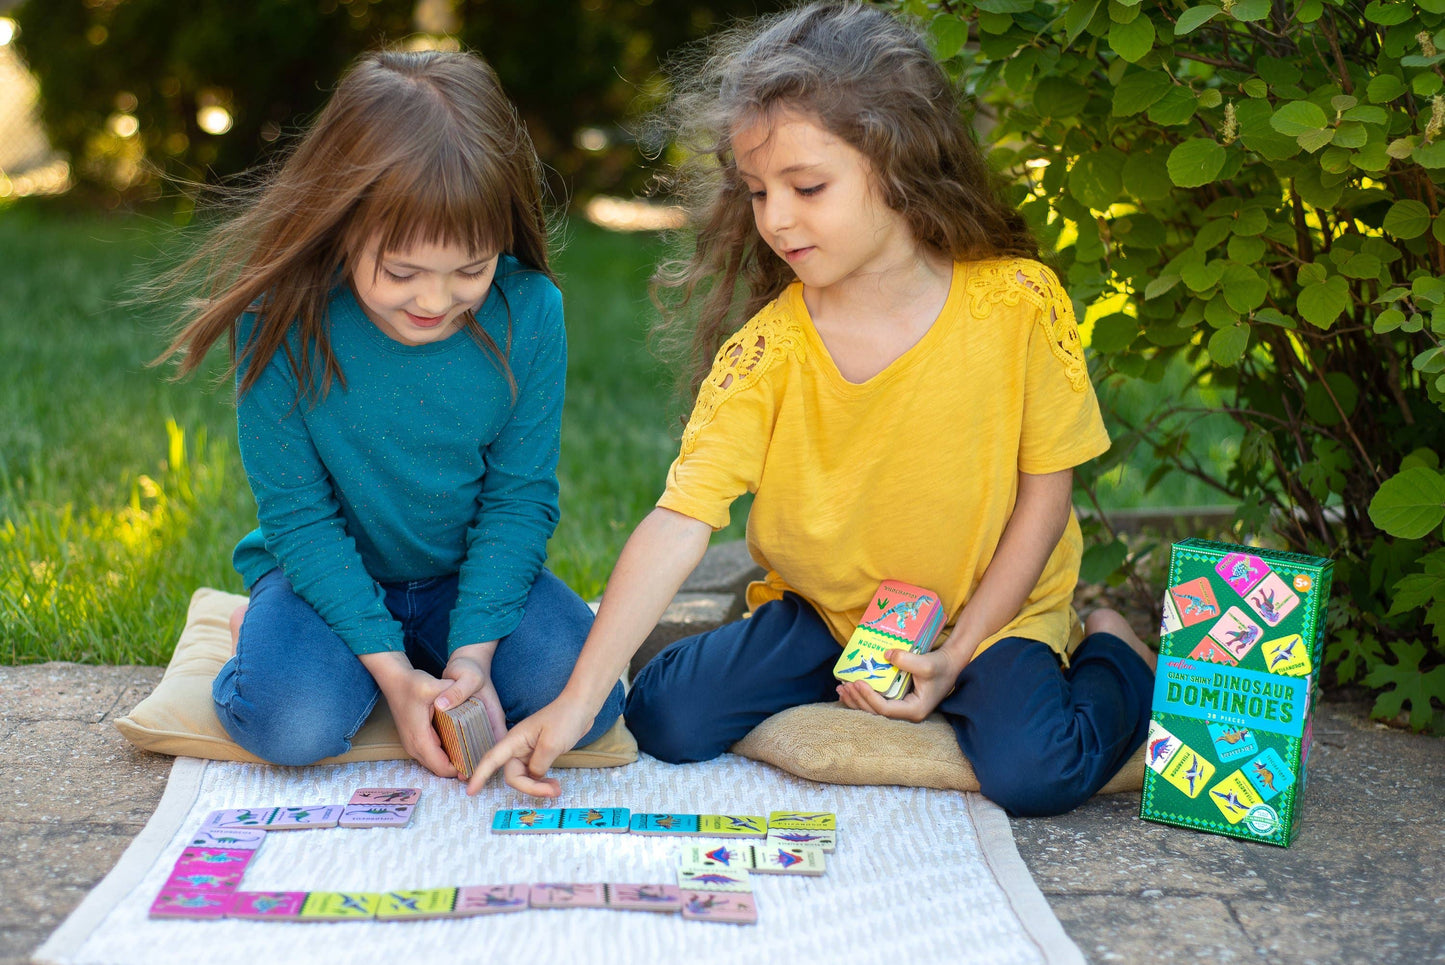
<point x="1108" y="621"/>
<point x="237" y="615"/>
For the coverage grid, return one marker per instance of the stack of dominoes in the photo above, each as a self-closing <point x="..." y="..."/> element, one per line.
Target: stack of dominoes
<point x="900" y="616"/>
<point x="465" y="733"/>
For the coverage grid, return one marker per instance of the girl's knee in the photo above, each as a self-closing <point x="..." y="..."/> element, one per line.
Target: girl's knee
<point x="278" y="737"/>
<point x="666" y="728"/>
<point x="1026" y="789"/>
<point x="286" y="728"/>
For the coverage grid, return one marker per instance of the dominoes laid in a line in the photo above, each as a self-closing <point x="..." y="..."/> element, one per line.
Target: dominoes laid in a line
<point x="782" y="829"/>
<point x="759" y="858"/>
<point x="708" y="825"/>
<point x="543" y="820"/>
<point x="369" y="807"/>
<point x="461" y="902"/>
<point x="713" y="882"/>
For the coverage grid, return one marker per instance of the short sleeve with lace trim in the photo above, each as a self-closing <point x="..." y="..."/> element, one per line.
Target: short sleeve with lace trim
<point x="1062" y="426"/>
<point x="727" y="435"/>
<point x="1009" y="282"/>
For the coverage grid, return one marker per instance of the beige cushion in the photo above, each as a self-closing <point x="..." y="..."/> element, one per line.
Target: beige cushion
<point x="178" y="718"/>
<point x="837" y="745"/>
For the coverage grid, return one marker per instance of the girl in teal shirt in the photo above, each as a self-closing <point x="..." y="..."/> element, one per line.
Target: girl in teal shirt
<point x="399" y="349"/>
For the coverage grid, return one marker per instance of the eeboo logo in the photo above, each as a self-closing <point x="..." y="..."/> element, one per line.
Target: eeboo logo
<point x="1262" y="820"/>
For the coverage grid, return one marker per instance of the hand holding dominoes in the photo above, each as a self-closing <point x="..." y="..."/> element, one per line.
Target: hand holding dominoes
<point x="934" y="675"/>
<point x="470" y="670"/>
<point x="411" y="695"/>
<point x="529" y="748"/>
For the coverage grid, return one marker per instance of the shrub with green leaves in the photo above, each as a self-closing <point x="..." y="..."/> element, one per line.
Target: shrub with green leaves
<point x="1253" y="189"/>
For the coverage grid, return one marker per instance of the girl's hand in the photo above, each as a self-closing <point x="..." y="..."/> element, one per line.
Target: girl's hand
<point x="470" y="673"/>
<point x="410" y="694"/>
<point x="934" y="676"/>
<point x="410" y="698"/>
<point x="529" y="749"/>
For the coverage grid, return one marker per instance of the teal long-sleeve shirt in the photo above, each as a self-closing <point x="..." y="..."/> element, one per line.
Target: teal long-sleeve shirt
<point x="423" y="465"/>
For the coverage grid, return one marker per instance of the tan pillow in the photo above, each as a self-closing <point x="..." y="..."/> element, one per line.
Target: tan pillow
<point x="178" y="718"/>
<point x="837" y="745"/>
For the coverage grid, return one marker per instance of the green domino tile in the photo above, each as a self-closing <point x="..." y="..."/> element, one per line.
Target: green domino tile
<point x="340" y="906"/>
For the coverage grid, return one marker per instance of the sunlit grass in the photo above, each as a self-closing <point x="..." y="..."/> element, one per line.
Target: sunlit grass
<point x="100" y="583"/>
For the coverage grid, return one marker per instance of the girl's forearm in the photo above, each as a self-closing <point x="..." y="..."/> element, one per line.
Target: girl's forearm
<point x="664" y="548"/>
<point x="386" y="666"/>
<point x="1040" y="514"/>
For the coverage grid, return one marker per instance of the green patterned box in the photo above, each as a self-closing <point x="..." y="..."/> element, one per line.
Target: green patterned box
<point x="1239" y="649"/>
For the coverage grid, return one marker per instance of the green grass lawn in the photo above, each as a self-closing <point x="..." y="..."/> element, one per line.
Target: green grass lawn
<point x="121" y="491"/>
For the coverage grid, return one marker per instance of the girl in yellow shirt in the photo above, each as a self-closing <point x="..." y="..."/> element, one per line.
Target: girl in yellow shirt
<point x="907" y="401"/>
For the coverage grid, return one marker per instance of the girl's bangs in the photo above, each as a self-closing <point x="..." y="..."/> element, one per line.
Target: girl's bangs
<point x="438" y="204"/>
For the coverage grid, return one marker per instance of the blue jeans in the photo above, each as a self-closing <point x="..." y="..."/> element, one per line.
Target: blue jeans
<point x="294" y="693"/>
<point x="1042" y="738"/>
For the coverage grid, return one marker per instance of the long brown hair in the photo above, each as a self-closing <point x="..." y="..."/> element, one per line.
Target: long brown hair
<point x="413" y="147"/>
<point x="869" y="79"/>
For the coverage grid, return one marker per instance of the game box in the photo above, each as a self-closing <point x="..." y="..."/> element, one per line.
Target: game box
<point x="1240" y="646"/>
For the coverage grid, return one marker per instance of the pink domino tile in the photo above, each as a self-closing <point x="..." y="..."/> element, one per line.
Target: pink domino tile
<point x="1195" y="601"/>
<point x="205" y="869"/>
<point x="1242" y="571"/>
<point x="491" y="899"/>
<point x="230" y="840"/>
<point x="568" y="895"/>
<point x="305" y="816"/>
<point x="212" y="861"/>
<point x="1272" y="600"/>
<point x="376" y="815"/>
<point x="386" y="795"/>
<point x="1236" y="632"/>
<point x="644" y="897"/>
<point x="180" y="903"/>
<point x="266" y="905"/>
<point x="736" y="908"/>
<point x="226" y="881"/>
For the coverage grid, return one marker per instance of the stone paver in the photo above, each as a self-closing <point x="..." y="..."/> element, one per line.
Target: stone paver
<point x="1360" y="884"/>
<point x="77" y="792"/>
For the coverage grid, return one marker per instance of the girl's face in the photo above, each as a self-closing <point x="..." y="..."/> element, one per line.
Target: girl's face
<point x="418" y="295"/>
<point x="815" y="202"/>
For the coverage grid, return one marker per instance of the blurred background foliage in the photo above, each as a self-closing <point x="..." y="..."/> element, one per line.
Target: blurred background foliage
<point x="204" y="89"/>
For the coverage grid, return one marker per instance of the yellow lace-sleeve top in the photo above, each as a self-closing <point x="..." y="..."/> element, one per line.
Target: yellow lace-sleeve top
<point x="911" y="475"/>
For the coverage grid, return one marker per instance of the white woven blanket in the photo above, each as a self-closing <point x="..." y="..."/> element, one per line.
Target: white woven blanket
<point x="920" y="876"/>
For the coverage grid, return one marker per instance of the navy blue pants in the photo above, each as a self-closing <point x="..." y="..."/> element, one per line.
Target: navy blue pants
<point x="1042" y="739"/>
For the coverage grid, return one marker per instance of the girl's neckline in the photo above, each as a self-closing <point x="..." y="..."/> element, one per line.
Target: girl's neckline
<point x="919" y="349"/>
